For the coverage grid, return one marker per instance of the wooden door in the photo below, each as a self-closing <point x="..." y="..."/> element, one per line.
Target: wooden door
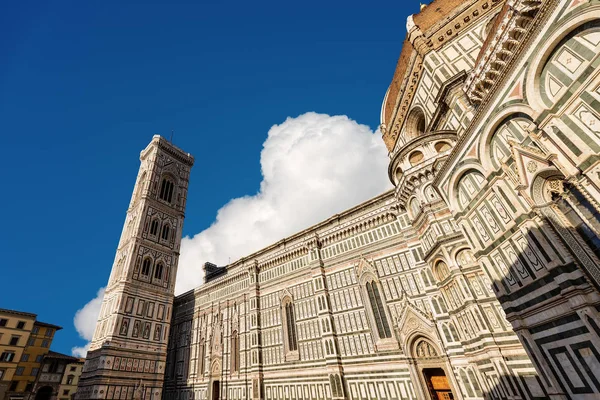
<point x="438" y="384"/>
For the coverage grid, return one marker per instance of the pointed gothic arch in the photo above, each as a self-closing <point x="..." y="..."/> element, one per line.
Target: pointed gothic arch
<point x="146" y="270"/>
<point x="375" y="304"/>
<point x="441" y="270"/>
<point x="288" y="319"/>
<point x="415" y="125"/>
<point x="167" y="188"/>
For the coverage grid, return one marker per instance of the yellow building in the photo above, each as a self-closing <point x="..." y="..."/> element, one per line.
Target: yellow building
<point x="15" y="329"/>
<point x="70" y="380"/>
<point x="28" y="368"/>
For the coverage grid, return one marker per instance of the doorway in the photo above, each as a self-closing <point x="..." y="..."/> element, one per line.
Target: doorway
<point x="44" y="393"/>
<point x="216" y="390"/>
<point x="438" y="384"/>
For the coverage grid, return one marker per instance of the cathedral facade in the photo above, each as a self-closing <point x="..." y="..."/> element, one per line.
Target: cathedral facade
<point x="476" y="277"/>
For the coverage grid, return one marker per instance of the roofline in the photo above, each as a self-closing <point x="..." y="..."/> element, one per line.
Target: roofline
<point x="318" y="225"/>
<point x="47" y="325"/>
<point x="297" y="235"/>
<point x="23" y="313"/>
<point x="54" y="354"/>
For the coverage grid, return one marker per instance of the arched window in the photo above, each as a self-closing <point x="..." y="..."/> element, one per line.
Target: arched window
<point x="235" y="352"/>
<point x="146" y="266"/>
<point x="165" y="232"/>
<point x="469" y="186"/>
<point x="290" y="324"/>
<point x="416" y="157"/>
<point x="336" y="386"/>
<point x="463" y="377"/>
<point x="442" y="271"/>
<point x="334" y="392"/>
<point x="166" y="190"/>
<point x="414" y="207"/>
<point x="415" y="124"/>
<point x="158" y="271"/>
<point x="378" y="311"/>
<point x="200" y="361"/>
<point x="435" y="305"/>
<point x="441" y="147"/>
<point x="399" y="173"/>
<point x="447" y="334"/>
<point x="154" y="227"/>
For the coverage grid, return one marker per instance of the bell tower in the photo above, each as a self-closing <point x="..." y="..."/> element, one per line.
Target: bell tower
<point x="126" y="359"/>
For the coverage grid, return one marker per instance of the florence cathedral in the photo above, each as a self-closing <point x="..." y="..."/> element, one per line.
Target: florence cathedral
<point x="476" y="277"/>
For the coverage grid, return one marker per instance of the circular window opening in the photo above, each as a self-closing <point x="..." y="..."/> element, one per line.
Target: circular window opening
<point x="441" y="147"/>
<point x="416" y="158"/>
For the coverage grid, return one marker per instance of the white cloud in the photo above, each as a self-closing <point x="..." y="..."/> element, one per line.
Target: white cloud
<point x="80" y="352"/>
<point x="313" y="166"/>
<point x="85" y="322"/>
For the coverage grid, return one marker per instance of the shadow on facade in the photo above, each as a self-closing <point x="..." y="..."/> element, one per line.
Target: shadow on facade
<point x="546" y="279"/>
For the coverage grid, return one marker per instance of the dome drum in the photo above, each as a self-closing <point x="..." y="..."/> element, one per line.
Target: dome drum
<point x="419" y="150"/>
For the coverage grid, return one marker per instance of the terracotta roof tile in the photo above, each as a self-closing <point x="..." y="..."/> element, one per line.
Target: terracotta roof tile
<point x="435" y="11"/>
<point x="424" y="20"/>
<point x="395" y="86"/>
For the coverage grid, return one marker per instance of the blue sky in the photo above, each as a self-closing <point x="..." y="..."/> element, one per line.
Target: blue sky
<point x="85" y="85"/>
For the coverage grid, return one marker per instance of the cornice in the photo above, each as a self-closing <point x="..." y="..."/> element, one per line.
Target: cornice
<point x="457" y="22"/>
<point x="506" y="38"/>
<point x="323" y="233"/>
<point x="386" y="216"/>
<point x="487" y="102"/>
<point x="416" y="142"/>
<point x="169" y="148"/>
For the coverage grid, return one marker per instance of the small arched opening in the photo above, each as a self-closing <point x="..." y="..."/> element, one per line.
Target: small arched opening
<point x="442" y="146"/>
<point x="415" y="158"/>
<point x="44" y="393"/>
<point x="415" y="124"/>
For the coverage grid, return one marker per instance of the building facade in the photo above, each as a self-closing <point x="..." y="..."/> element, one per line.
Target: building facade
<point x="30" y="364"/>
<point x="127" y="355"/>
<point x="15" y="328"/>
<point x="55" y="368"/>
<point x="24" y="341"/>
<point x="476" y="277"/>
<point x="70" y="380"/>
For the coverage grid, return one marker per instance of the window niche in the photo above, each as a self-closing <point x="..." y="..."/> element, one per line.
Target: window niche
<point x="442" y="146"/>
<point x="415" y="124"/>
<point x="289" y="330"/>
<point x="154" y="227"/>
<point x="378" y="314"/>
<point x="158" y="271"/>
<point x="146" y="267"/>
<point x="416" y="158"/>
<point x="441" y="271"/>
<point x="166" y="189"/>
<point x="235" y="352"/>
<point x="165" y="233"/>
